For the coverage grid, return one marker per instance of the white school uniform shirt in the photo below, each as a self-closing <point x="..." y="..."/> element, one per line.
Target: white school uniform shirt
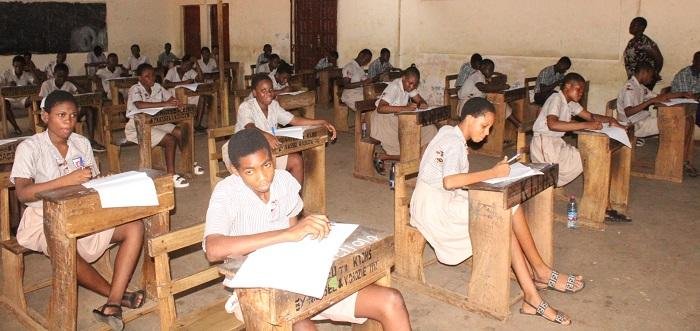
<point x="353" y="71"/>
<point x="23" y="80"/>
<point x="469" y="89"/>
<point x="446" y="155"/>
<point x="276" y="85"/>
<point x="105" y="74"/>
<point x="208" y="67"/>
<point x="555" y="105"/>
<point x="174" y="77"/>
<point x="48" y="69"/>
<point x="262" y="58"/>
<point x="395" y="95"/>
<point x="250" y="112"/>
<point x="139" y="93"/>
<point x="632" y="94"/>
<point x="92" y="58"/>
<point x="262" y="68"/>
<point x="132" y="63"/>
<point x="38" y="159"/>
<point x="50" y="85"/>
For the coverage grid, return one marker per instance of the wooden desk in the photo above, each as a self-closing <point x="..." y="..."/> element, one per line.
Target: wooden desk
<point x="373" y="90"/>
<point x="184" y="119"/>
<point x="606" y="176"/>
<point x="495" y="141"/>
<point x="671" y="154"/>
<point x="75" y="211"/>
<point x="410" y="124"/>
<point x="15" y="92"/>
<point x="325" y="78"/>
<point x="216" y="117"/>
<point x="449" y="95"/>
<point x="313" y="150"/>
<point x="115" y="84"/>
<point x="306" y="101"/>
<point x="365" y="258"/>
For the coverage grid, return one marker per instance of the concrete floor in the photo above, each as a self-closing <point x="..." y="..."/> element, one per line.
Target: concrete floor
<point x="640" y="276"/>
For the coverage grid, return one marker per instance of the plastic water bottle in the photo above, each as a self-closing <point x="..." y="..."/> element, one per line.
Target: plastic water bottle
<point x="572" y="214"/>
<point x="392" y="176"/>
<point x="364" y="129"/>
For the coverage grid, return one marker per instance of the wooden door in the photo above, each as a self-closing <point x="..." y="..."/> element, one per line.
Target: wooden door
<point x="315" y="31"/>
<point x="215" y="31"/>
<point x="193" y="39"/>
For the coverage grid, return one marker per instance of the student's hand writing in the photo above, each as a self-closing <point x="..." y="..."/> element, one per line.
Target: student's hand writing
<point x="614" y="122"/>
<point x="501" y="169"/>
<point x="78" y="177"/>
<point x="272" y="140"/>
<point x="317" y="226"/>
<point x="330" y="128"/>
<point x="662" y="97"/>
<point x="411" y="106"/>
<point x="593" y="125"/>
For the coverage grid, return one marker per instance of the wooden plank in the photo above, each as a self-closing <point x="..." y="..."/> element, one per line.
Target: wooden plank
<point x="175" y="240"/>
<point x="194" y="280"/>
<point x="211" y="318"/>
<point x="518" y="191"/>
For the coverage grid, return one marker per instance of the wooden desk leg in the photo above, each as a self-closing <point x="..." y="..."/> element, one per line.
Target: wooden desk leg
<point x="409" y="138"/>
<point x="620" y="178"/>
<point x="372" y="325"/>
<point x="143" y="132"/>
<point x="595" y="154"/>
<point x="494" y="142"/>
<point x="255" y="306"/>
<point x="490" y="231"/>
<point x="212" y="112"/>
<point x="310" y="111"/>
<point x="314" y="190"/>
<point x="669" y="159"/>
<point x="539" y="212"/>
<point x="64" y="284"/>
<point x="323" y="89"/>
<point x="187" y="148"/>
<point x="3" y="133"/>
<point x="154" y="226"/>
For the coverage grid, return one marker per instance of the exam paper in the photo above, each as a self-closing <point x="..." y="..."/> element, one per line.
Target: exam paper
<point x="292" y="93"/>
<point x="678" y="101"/>
<point x="127" y="189"/>
<point x="615" y="133"/>
<point x="192" y="87"/>
<point x="296" y="132"/>
<point x="517" y="171"/>
<point x="300" y="267"/>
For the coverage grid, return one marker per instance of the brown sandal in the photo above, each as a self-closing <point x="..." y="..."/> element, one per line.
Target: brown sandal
<point x="114" y="320"/>
<point x="129" y="299"/>
<point x="559" y="318"/>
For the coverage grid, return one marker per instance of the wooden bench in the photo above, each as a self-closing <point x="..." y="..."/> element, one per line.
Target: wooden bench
<point x="114" y="120"/>
<point x="312" y="147"/>
<point x="325" y="79"/>
<point x="85" y="84"/>
<point x="74" y="211"/>
<point x="183" y="118"/>
<point x="365" y="258"/>
<point x="365" y="146"/>
<point x="529" y="111"/>
<point x="15" y="92"/>
<point x="210" y="317"/>
<point x="115" y="84"/>
<point x="488" y="290"/>
<point x="449" y="96"/>
<point x="340" y="110"/>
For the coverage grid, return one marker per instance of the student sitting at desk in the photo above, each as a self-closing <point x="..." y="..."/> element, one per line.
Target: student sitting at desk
<point x="166" y="60"/>
<point x="688" y="80"/>
<point x="399" y="96"/>
<point x="60" y="82"/>
<point x="353" y="78"/>
<point x="269" y="66"/>
<point x="258" y="206"/>
<point x="207" y="63"/>
<point x="265" y="113"/>
<point x="149" y="94"/>
<point x="96" y="57"/>
<point x="135" y="59"/>
<point x="16" y="76"/>
<point x="328" y="61"/>
<point x="49" y="67"/>
<point x="440" y="210"/>
<point x="58" y="158"/>
<point x="264" y="57"/>
<point x="481" y="82"/>
<point x="554" y="121"/>
<point x="468" y="68"/>
<point x="112" y="70"/>
<point x="380" y="65"/>
<point x="29" y="66"/>
<point x="549" y="78"/>
<point x="633" y="104"/>
<point x="280" y="78"/>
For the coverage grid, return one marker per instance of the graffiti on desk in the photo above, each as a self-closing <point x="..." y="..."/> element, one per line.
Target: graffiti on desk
<point x="292" y="146"/>
<point x="7" y="152"/>
<point x="168" y="117"/>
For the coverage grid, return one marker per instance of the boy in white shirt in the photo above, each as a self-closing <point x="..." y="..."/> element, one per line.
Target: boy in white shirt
<point x="265" y="113"/>
<point x="380" y="65"/>
<point x="185" y="73"/>
<point x="96" y="57"/>
<point x="207" y="63"/>
<point x="400" y="95"/>
<point x="258" y="206"/>
<point x="269" y="66"/>
<point x="353" y="78"/>
<point x="49" y="68"/>
<point x="112" y="70"/>
<point x="149" y="94"/>
<point x="16" y="76"/>
<point x="280" y="78"/>
<point x="467" y="69"/>
<point x="135" y="59"/>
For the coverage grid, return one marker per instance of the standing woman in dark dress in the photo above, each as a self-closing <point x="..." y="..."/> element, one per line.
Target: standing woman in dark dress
<point x="642" y="49"/>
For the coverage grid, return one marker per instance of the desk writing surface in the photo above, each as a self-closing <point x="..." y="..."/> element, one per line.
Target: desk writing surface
<point x="518" y="191"/>
<point x="430" y="116"/>
<point x="313" y="136"/>
<point x="7" y="151"/>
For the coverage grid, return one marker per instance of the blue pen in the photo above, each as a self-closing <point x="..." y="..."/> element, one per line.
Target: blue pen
<point x="273" y="130"/>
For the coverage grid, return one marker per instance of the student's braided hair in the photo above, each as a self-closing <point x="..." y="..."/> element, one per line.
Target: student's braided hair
<point x="412" y="71"/>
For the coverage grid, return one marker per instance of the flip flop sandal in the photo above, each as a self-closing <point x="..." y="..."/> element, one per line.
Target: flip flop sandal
<point x="614" y="217"/>
<point x="114" y="320"/>
<point x="570" y="282"/>
<point x="132" y="297"/>
<point x="541" y="308"/>
<point x="198" y="170"/>
<point x="690" y="170"/>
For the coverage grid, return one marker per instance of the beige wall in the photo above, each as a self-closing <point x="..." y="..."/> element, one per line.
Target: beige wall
<point x="367" y="24"/>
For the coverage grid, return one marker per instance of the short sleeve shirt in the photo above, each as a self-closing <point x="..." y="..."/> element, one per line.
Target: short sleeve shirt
<point x="38" y="159"/>
<point x="465" y="71"/>
<point x="547" y="76"/>
<point x="50" y="85"/>
<point x="139" y="93"/>
<point x="395" y="95"/>
<point x="555" y="105"/>
<point x="105" y="74"/>
<point x="174" y="76"/>
<point x="446" y="155"/>
<point x="632" y="94"/>
<point x="353" y="71"/>
<point x="686" y="81"/>
<point x="208" y="67"/>
<point x="235" y="210"/>
<point x="132" y="62"/>
<point x="250" y="112"/>
<point x="469" y="89"/>
<point x="23" y="80"/>
<point x="376" y="68"/>
<point x="48" y="69"/>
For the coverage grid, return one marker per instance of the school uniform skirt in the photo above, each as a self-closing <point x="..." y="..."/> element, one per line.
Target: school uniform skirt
<point x="30" y="234"/>
<point x="158" y="132"/>
<point x="350" y="96"/>
<point x="442" y="217"/>
<point x="547" y="149"/>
